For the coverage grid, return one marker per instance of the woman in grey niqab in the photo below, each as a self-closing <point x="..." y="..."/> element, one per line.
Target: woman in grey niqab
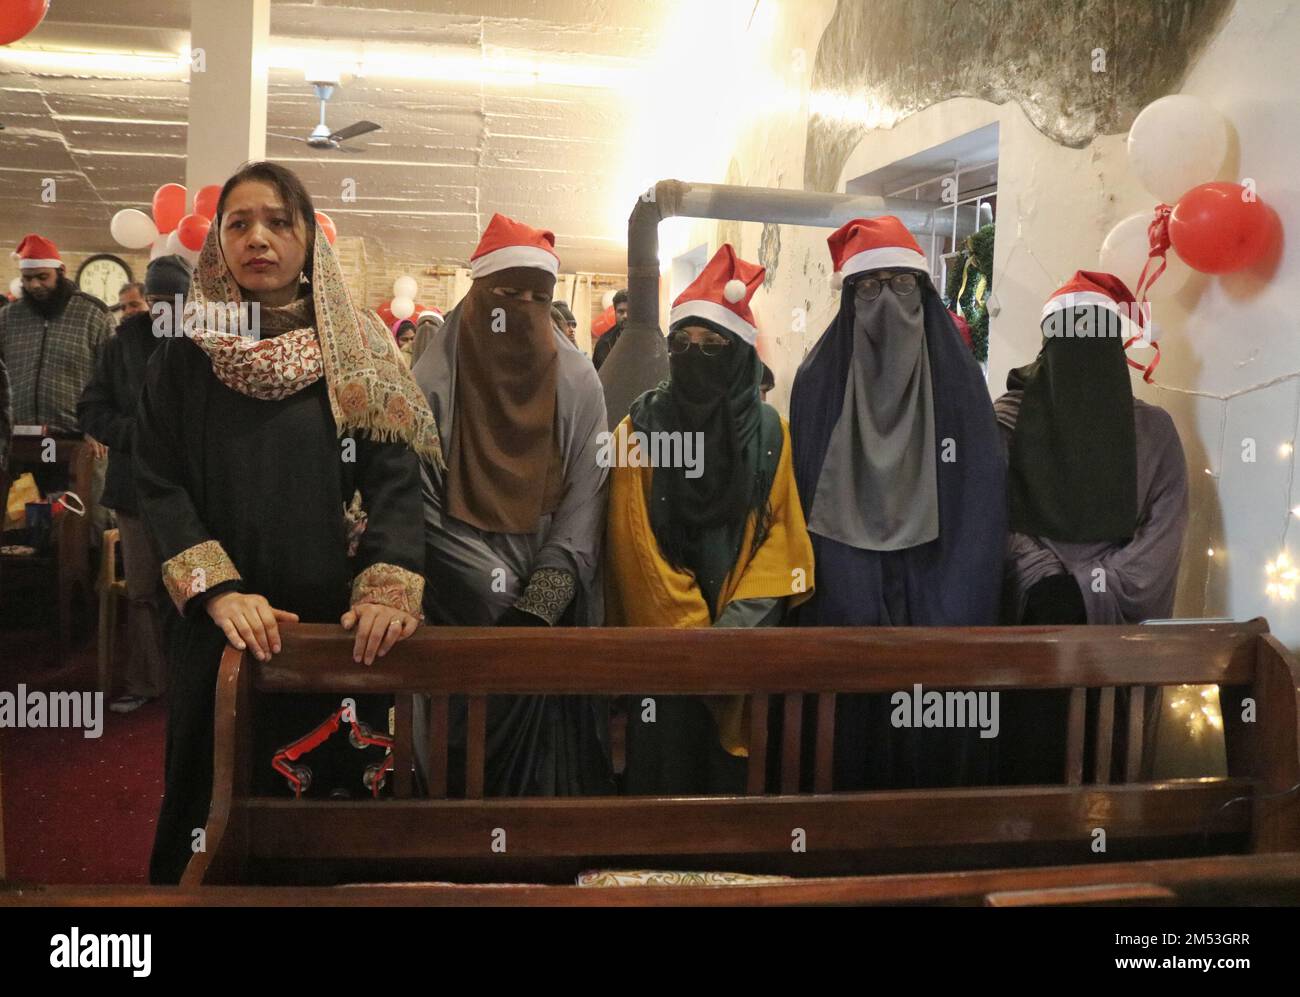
<point x="877" y="489"/>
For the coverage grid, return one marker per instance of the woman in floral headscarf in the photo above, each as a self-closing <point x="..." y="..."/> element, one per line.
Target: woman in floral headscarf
<point x="256" y="427"/>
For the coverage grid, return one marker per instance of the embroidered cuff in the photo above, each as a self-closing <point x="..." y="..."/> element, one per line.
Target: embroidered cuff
<point x="548" y="594"/>
<point x="389" y="585"/>
<point x="195" y="570"/>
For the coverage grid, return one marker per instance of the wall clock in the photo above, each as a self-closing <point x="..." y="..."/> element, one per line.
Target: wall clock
<point x="102" y="276"/>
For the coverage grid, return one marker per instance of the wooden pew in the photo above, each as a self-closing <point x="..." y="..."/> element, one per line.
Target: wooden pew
<point x="1224" y="881"/>
<point x="252" y="840"/>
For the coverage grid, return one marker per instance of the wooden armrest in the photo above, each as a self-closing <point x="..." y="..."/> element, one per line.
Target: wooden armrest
<point x="1104" y="895"/>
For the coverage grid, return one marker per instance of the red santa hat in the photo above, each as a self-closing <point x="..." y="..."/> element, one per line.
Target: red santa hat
<point x="36" y="252"/>
<point x="721" y="293"/>
<point x="1105" y="290"/>
<point x="871" y="244"/>
<point x="507" y="243"/>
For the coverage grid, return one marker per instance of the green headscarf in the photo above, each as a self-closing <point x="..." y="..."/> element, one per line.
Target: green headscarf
<point x="699" y="523"/>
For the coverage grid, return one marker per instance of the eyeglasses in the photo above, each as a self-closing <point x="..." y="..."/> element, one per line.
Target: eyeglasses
<point x="902" y="284"/>
<point x="680" y="342"/>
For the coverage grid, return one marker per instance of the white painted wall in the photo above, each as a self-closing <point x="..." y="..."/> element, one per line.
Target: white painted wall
<point x="1221" y="335"/>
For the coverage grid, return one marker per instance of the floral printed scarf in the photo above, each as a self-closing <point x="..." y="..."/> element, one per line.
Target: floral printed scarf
<point x="320" y="333"/>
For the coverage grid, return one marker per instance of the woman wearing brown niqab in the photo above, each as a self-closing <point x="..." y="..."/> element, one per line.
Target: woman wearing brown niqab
<point x="513" y="526"/>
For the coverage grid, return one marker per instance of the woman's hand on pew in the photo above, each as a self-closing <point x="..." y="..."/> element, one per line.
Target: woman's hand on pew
<point x="378" y="629"/>
<point x="249" y="620"/>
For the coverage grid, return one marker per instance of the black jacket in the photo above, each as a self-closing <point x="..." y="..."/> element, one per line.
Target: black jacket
<point x="108" y="405"/>
<point x="604" y="344"/>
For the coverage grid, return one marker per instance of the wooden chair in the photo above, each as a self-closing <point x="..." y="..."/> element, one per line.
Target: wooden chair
<point x="112" y="592"/>
<point x="68" y="567"/>
<point x="1253" y="810"/>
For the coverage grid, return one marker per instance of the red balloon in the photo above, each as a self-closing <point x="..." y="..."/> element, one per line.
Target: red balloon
<point x="192" y="230"/>
<point x="168" y="207"/>
<point x="1218" y="228"/>
<point x="20" y="17"/>
<point x="604" y="322"/>
<point x="327" y="226"/>
<point x="205" y="201"/>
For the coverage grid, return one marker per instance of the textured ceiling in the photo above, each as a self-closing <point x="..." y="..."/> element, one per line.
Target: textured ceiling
<point x="450" y="152"/>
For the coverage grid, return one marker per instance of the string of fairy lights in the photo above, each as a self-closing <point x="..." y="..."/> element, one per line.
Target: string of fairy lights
<point x="1281" y="573"/>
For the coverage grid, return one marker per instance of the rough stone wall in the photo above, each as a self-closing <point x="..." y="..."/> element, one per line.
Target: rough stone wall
<point x="893" y="59"/>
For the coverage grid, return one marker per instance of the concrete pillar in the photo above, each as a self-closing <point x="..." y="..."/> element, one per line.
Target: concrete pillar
<point x="228" y="97"/>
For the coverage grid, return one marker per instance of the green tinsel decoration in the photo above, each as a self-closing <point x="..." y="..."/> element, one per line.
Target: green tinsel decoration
<point x="979" y="248"/>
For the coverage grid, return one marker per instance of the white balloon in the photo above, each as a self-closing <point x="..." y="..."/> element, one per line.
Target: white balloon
<point x="16" y="287"/>
<point x="159" y="247"/>
<point x="1124" y="253"/>
<point x="174" y="245"/>
<point x="1176" y="143"/>
<point x="133" y="229"/>
<point x="402" y="308"/>
<point x="405" y="287"/>
<point x="607" y="299"/>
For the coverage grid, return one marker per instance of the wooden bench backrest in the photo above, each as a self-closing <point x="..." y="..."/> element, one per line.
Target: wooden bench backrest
<point x="935" y="828"/>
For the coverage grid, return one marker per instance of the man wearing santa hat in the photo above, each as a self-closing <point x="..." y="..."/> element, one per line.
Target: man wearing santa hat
<point x="50" y="340"/>
<point x="513" y="524"/>
<point x="903" y="480"/>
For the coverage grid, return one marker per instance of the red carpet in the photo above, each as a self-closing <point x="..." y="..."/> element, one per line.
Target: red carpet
<point x="76" y="810"/>
<point x="82" y="810"/>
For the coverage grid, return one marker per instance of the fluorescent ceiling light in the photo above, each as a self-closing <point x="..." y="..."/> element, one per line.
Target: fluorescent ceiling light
<point x="491" y="67"/>
<point x="68" y="61"/>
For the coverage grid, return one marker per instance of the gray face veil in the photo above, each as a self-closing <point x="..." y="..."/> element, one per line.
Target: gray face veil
<point x="877" y="489"/>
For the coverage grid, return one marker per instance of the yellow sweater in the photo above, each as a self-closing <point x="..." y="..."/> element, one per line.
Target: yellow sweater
<point x="643" y="590"/>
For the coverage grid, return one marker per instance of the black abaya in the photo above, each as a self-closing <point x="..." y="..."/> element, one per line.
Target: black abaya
<point x="268" y="480"/>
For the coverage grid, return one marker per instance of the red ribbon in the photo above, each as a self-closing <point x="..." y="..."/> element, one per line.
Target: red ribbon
<point x="1158" y="240"/>
<point x="1146" y="369"/>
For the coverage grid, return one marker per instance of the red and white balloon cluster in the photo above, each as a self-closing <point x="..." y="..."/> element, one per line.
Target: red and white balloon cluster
<point x="173" y="232"/>
<point x="1213" y="226"/>
<point x="170" y="230"/>
<point x="403" y="304"/>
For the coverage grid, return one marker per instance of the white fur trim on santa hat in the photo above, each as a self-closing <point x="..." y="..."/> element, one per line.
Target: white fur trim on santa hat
<point x="39" y="264"/>
<point x="514" y="256"/>
<point x="881" y="257"/>
<point x="715" y="313"/>
<point x="1083" y="299"/>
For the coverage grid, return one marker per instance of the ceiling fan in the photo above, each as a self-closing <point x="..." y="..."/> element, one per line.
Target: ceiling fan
<point x="321" y="136"/>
